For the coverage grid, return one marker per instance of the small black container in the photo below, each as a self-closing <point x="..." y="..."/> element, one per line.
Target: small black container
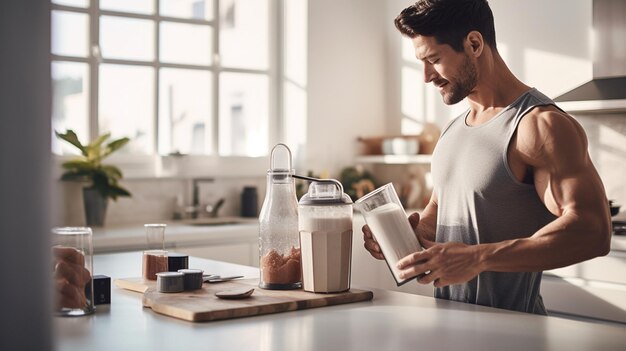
<point x="176" y="261"/>
<point x="192" y="278"/>
<point x="101" y="290"/>
<point x="170" y="282"/>
<point x="249" y="200"/>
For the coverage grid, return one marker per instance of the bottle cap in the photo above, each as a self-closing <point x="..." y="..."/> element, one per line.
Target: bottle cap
<point x="280" y="162"/>
<point x="325" y="192"/>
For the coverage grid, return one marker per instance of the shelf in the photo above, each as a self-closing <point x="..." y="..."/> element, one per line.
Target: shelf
<point x="594" y="106"/>
<point x="395" y="159"/>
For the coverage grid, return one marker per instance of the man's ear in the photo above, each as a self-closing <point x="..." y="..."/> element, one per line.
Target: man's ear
<point x="474" y="43"/>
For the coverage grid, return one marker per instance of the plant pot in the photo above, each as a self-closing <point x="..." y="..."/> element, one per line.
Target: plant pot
<point x="95" y="207"/>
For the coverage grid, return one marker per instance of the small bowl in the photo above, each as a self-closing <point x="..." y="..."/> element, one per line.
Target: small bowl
<point x="400" y="146"/>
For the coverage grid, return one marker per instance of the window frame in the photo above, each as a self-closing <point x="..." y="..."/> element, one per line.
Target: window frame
<point x="151" y="165"/>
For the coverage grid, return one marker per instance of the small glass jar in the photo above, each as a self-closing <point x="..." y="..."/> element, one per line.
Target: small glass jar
<point x="155" y="259"/>
<point x="72" y="252"/>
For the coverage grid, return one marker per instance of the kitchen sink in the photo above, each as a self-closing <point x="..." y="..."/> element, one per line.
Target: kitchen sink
<point x="218" y="221"/>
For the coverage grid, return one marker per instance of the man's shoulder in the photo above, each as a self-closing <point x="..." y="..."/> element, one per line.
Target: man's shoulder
<point x="545" y="130"/>
<point x="546" y="119"/>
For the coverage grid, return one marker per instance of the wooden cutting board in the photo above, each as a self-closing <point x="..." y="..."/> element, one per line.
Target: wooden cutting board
<point x="135" y="284"/>
<point x="202" y="305"/>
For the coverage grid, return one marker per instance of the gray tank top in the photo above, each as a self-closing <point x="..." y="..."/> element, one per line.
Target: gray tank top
<point x="481" y="201"/>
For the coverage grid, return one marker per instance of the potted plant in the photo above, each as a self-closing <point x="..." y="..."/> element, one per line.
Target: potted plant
<point x="88" y="166"/>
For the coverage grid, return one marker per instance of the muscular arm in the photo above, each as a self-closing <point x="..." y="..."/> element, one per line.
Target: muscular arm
<point x="426" y="229"/>
<point x="555" y="146"/>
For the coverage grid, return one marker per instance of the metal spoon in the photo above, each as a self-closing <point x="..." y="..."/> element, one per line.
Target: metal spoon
<point x="219" y="279"/>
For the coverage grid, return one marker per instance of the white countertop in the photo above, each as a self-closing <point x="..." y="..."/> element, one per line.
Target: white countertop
<point x="618" y="243"/>
<point x="129" y="237"/>
<point x="391" y="321"/>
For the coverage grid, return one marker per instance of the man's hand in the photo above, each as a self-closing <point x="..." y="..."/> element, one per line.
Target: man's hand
<point x="444" y="264"/>
<point x="371" y="244"/>
<point x="71" y="277"/>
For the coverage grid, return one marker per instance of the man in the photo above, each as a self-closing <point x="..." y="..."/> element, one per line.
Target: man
<point x="515" y="192"/>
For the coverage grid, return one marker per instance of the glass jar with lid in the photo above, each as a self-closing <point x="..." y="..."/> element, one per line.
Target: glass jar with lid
<point x="279" y="244"/>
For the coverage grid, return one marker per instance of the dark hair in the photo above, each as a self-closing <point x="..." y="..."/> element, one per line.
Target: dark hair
<point x="448" y="21"/>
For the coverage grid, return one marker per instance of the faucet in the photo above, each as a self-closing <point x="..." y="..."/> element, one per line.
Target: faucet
<point x="213" y="209"/>
<point x="196" y="194"/>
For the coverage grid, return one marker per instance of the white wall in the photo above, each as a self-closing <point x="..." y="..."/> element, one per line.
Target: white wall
<point x="346" y="79"/>
<point x="546" y="43"/>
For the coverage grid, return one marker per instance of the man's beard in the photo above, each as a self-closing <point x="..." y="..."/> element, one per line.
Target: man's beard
<point x="465" y="82"/>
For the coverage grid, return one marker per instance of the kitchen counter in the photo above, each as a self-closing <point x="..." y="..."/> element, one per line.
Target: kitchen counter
<point x="129" y="237"/>
<point x="392" y="320"/>
<point x="618" y="243"/>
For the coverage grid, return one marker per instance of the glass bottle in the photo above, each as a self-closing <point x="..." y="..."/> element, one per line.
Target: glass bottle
<point x="279" y="244"/>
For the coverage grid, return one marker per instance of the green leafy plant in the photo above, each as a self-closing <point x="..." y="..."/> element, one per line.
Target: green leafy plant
<point x="88" y="166"/>
<point x="356" y="182"/>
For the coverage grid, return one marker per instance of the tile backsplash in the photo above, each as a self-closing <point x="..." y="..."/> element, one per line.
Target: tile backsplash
<point x="154" y="200"/>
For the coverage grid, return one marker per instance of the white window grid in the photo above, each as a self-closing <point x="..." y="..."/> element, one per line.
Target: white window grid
<point x="94" y="60"/>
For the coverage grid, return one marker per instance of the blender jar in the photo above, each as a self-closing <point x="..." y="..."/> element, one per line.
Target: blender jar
<point x="325" y="226"/>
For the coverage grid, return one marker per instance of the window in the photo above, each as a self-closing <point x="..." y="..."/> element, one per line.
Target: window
<point x="176" y="76"/>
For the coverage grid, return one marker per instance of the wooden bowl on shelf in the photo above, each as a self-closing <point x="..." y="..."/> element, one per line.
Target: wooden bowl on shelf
<point x="391" y="145"/>
<point x="372" y="145"/>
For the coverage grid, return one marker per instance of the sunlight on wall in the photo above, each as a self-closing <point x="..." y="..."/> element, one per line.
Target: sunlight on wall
<point x="295" y="79"/>
<point x="611" y="159"/>
<point x="413" y="93"/>
<point x="295" y="41"/>
<point x="408" y="52"/>
<point x="554" y="74"/>
<point x="412" y="90"/>
<point x="295" y="108"/>
<point x="612" y="138"/>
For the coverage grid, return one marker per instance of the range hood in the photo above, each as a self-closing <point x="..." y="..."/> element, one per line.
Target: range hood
<point x="606" y="92"/>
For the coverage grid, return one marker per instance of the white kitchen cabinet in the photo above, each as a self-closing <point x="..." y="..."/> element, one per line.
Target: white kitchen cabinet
<point x="584" y="298"/>
<point x="610" y="268"/>
<point x="594" y="289"/>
